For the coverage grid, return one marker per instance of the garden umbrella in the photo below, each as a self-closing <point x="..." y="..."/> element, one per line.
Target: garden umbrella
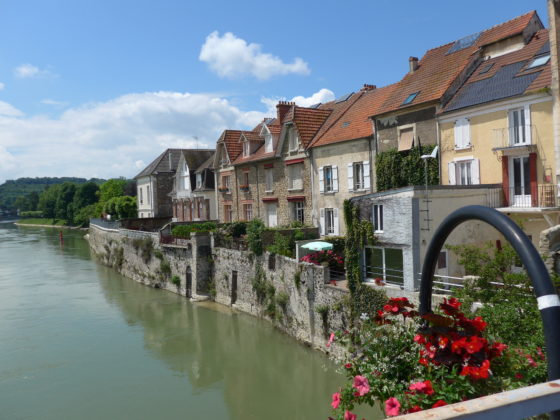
<point x="317" y="246"/>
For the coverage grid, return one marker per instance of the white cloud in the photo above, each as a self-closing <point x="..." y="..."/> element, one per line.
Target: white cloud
<point x="322" y="96"/>
<point x="2" y="86"/>
<point x="52" y="102"/>
<point x="27" y="71"/>
<point x="230" y="56"/>
<point x="113" y="138"/>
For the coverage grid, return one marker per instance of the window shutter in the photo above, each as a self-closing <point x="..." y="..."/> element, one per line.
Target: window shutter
<point x="527" y="128"/>
<point x="466" y="132"/>
<point x="367" y="183"/>
<point x="475" y="171"/>
<point x="451" y="172"/>
<point x="336" y="230"/>
<point x="458" y="134"/>
<point x="350" y="177"/>
<point x="335" y="177"/>
<point x="321" y="183"/>
<point x="322" y="222"/>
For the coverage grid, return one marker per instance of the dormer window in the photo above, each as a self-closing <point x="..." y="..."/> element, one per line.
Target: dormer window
<point x="268" y="143"/>
<point x="224" y="159"/>
<point x="293" y="139"/>
<point x="198" y="180"/>
<point x="185" y="176"/>
<point x="246" y="149"/>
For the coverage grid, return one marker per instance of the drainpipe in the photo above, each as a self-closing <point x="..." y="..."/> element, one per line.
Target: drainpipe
<point x="375" y="150"/>
<point x="554" y="26"/>
<point x="313" y="199"/>
<point x="438" y="145"/>
<point x="258" y="195"/>
<point x="217" y="205"/>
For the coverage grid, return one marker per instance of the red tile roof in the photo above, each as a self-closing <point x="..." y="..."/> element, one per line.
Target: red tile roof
<point x="308" y="121"/>
<point x="438" y="68"/>
<point x="231" y="140"/>
<point x="352" y="121"/>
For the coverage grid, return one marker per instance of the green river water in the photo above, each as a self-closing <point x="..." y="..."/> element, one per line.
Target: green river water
<point x="79" y="341"/>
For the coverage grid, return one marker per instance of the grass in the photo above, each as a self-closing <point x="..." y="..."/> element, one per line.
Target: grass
<point x="42" y="221"/>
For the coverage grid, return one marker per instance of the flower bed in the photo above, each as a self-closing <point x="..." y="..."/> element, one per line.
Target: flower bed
<point x="335" y="261"/>
<point x="412" y="363"/>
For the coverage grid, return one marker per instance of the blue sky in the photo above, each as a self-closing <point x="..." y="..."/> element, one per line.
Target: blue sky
<point x="100" y="88"/>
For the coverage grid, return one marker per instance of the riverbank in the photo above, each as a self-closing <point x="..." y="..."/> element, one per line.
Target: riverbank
<point x="36" y="222"/>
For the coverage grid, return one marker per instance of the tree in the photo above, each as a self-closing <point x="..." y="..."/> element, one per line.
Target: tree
<point x="63" y="207"/>
<point x="47" y="201"/>
<point x="121" y="207"/>
<point x="111" y="188"/>
<point x="85" y="195"/>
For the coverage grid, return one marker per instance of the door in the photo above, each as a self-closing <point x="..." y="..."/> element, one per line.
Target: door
<point x="271" y="217"/>
<point x="188" y="292"/>
<point x="233" y="287"/>
<point x="520" y="184"/>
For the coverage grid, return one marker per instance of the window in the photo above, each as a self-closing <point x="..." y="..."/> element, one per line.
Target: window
<point x="148" y="198"/>
<point x="519" y="126"/>
<point x="464" y="172"/>
<point x="539" y="61"/>
<point x="385" y="264"/>
<point x="294" y="177"/>
<point x="269" y="180"/>
<point x="141" y="196"/>
<point x="185" y="179"/>
<point x="462" y="133"/>
<point x="248" y="211"/>
<point x="358" y="172"/>
<point x="293" y="140"/>
<point x="198" y="180"/>
<point x="246" y="148"/>
<point x="228" y="213"/>
<point x="410" y="98"/>
<point x="329" y="221"/>
<point x="378" y="217"/>
<point x="327" y="175"/>
<point x="225" y="158"/>
<point x="226" y="182"/>
<point x="271" y="218"/>
<point x="298" y="211"/>
<point x="268" y="143"/>
<point x="200" y="209"/>
<point x="358" y="176"/>
<point x="406" y="138"/>
<point x="246" y="178"/>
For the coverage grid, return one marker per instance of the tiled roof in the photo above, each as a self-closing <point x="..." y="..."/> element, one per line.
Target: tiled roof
<point x="307" y="121"/>
<point x="253" y="135"/>
<point x="352" y="121"/>
<point x="231" y="140"/>
<point x="260" y="154"/>
<point x="505" y="76"/>
<point x="207" y="164"/>
<point x="161" y="163"/>
<point x="439" y="67"/>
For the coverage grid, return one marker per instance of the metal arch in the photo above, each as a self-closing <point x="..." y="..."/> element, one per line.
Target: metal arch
<point x="542" y="285"/>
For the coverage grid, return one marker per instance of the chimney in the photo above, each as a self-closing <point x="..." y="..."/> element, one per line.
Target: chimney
<point x="282" y="109"/>
<point x="413" y="64"/>
<point x="368" y="87"/>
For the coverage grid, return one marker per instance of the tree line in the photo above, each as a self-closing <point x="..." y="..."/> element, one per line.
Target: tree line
<point x="77" y="203"/>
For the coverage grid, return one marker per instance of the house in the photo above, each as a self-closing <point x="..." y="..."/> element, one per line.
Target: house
<point x="407" y="118"/>
<point x="156" y="182"/>
<point x="342" y="154"/>
<point x="193" y="197"/>
<point x="497" y="129"/>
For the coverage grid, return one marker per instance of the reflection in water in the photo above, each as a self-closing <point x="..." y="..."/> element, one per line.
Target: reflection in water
<point x="78" y="340"/>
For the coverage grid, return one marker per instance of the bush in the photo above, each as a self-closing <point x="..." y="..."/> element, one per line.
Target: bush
<point x="36" y="213"/>
<point x="282" y="299"/>
<point x="255" y="229"/>
<point x="165" y="267"/>
<point x="339" y="242"/>
<point x="176" y="280"/>
<point x="283" y="245"/>
<point x="184" y="231"/>
<point x="336" y="262"/>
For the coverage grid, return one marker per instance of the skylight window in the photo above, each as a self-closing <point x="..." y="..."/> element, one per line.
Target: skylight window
<point x="410" y="98"/>
<point x="486" y="69"/>
<point x="464" y="43"/>
<point x="346" y="123"/>
<point x="315" y="106"/>
<point x="539" y="61"/>
<point x="344" y="98"/>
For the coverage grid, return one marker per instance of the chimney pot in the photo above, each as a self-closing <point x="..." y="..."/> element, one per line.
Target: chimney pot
<point x="282" y="109"/>
<point x="368" y="87"/>
<point x="413" y="64"/>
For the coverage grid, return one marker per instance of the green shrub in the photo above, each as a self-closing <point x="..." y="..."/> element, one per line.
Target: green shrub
<point x="368" y="300"/>
<point x="255" y="229"/>
<point x="146" y="247"/>
<point x="165" y="267"/>
<point x="31" y="213"/>
<point x="338" y="242"/>
<point x="283" y="245"/>
<point x="282" y="299"/>
<point x="176" y="280"/>
<point x="297" y="279"/>
<point x="158" y="254"/>
<point x="184" y="231"/>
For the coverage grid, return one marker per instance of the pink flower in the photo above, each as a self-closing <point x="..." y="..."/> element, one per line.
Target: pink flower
<point x="392" y="407"/>
<point x="349" y="416"/>
<point x="335" y="400"/>
<point x="361" y="384"/>
<point x="331" y="339"/>
<point x="422" y="387"/>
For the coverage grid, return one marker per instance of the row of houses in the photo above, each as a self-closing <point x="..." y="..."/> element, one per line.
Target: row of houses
<point x="486" y="101"/>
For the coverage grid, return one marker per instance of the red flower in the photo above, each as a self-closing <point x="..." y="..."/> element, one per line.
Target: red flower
<point x="348" y="365"/>
<point x="518" y="376"/>
<point x="423" y="361"/>
<point x="439" y="403"/>
<point x="422" y="387"/>
<point x="392" y="407"/>
<point x="476" y="373"/>
<point x="475" y="344"/>
<point x="335" y="400"/>
<point x="414" y="409"/>
<point x="419" y="339"/>
<point x="349" y="416"/>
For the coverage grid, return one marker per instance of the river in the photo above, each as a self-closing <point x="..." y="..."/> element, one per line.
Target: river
<point x="79" y="341"/>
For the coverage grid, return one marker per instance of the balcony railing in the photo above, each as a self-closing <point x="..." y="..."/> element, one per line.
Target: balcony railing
<point x="543" y="196"/>
<point x="505" y="138"/>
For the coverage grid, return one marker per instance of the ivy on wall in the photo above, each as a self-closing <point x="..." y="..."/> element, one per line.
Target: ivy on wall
<point x="400" y="169"/>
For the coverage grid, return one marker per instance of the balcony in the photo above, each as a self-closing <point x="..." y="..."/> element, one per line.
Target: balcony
<point x="544" y="196"/>
<point x="512" y="138"/>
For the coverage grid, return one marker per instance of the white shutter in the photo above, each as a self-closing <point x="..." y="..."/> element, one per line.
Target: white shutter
<point x="475" y="171"/>
<point x="336" y="230"/>
<point x="451" y="173"/>
<point x="335" y="177"/>
<point x="527" y="111"/>
<point x="458" y="134"/>
<point x="322" y="222"/>
<point x="367" y="182"/>
<point x="321" y="183"/>
<point x="350" y="177"/>
<point x="466" y="132"/>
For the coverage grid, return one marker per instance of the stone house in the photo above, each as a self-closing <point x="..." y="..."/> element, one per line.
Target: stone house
<point x="193" y="195"/>
<point x="228" y="149"/>
<point x="408" y="116"/>
<point x="342" y="154"/>
<point x="497" y="129"/>
<point x="154" y="184"/>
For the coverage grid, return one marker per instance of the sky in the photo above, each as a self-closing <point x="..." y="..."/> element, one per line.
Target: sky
<point x="100" y="88"/>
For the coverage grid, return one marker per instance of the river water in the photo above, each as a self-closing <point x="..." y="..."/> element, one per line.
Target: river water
<point x="79" y="341"/>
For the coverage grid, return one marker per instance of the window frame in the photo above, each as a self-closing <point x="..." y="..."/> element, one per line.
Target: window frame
<point x="298" y="211"/>
<point x="293" y="140"/>
<point x="377" y="218"/>
<point x="384" y="265"/>
<point x="268" y="180"/>
<point x="248" y="211"/>
<point x="246" y="149"/>
<point x="268" y="146"/>
<point x="291" y="178"/>
<point x="521" y="132"/>
<point x="198" y="180"/>
<point x="329" y="221"/>
<point x="357" y="185"/>
<point x="328" y="186"/>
